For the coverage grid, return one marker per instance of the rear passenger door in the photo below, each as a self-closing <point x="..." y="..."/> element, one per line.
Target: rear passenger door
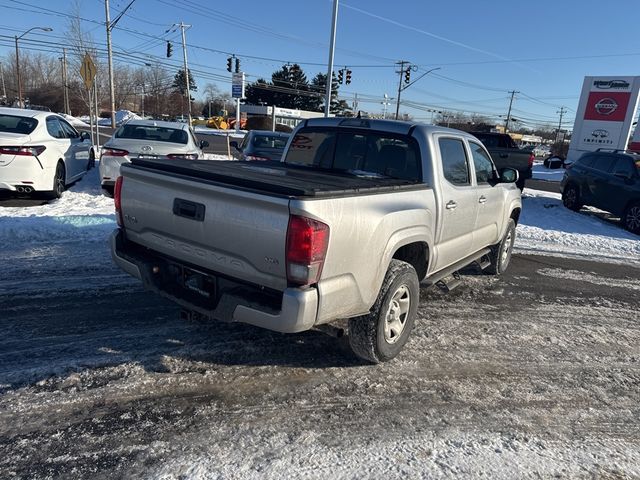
<point x="489" y="197"/>
<point x="597" y="180"/>
<point x="78" y="149"/>
<point x="64" y="145"/>
<point x="458" y="204"/>
<point x="619" y="187"/>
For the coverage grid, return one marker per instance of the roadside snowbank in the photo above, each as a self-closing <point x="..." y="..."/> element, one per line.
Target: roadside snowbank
<point x="76" y="122"/>
<point x="223" y="133"/>
<point x="547" y="227"/>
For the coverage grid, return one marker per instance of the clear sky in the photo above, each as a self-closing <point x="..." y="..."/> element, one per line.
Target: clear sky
<point x="483" y="49"/>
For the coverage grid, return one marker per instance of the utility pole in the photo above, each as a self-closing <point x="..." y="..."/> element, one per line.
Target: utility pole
<point x="506" y="125"/>
<point x="4" y="90"/>
<point x="112" y="92"/>
<point x="332" y="47"/>
<point x="400" y="72"/>
<point x="110" y="25"/>
<point x="65" y="91"/>
<point x="562" y="111"/>
<point x="184" y="26"/>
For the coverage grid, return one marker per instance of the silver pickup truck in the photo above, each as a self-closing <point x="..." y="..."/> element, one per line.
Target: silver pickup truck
<point x="346" y="226"/>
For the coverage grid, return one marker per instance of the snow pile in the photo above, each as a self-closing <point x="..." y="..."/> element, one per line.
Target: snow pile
<point x="214" y="131"/>
<point x="76" y="122"/>
<point x="83" y="213"/>
<point x="547" y="227"/>
<point x="540" y="172"/>
<point x="122" y="116"/>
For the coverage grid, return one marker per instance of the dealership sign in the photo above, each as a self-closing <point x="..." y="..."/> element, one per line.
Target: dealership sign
<point x="606" y="110"/>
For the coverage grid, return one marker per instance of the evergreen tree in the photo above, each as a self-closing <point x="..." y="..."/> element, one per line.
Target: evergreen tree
<point x="180" y="85"/>
<point x="319" y="85"/>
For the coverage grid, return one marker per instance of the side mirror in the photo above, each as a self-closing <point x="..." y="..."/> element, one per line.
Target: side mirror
<point x="234" y="144"/>
<point x="508" y="175"/>
<point x="204" y="144"/>
<point x="85" y="136"/>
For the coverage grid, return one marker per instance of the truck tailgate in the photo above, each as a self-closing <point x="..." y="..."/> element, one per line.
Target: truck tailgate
<point x="208" y="225"/>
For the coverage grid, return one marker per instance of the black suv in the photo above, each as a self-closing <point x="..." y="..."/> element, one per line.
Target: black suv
<point x="609" y="180"/>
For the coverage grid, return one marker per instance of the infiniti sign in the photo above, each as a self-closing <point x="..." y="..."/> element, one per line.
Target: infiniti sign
<point x="600" y="133"/>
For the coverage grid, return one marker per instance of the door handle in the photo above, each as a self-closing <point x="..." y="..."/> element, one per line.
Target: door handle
<point x="482" y="199"/>
<point x="451" y="205"/>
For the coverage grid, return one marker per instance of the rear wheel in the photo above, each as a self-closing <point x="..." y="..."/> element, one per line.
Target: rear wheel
<point x="59" y="182"/>
<point x="92" y="160"/>
<point x="571" y="198"/>
<point x="380" y="335"/>
<point x="631" y="219"/>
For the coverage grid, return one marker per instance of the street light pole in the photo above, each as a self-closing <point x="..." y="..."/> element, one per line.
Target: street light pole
<point x="44" y="29"/>
<point x="332" y="47"/>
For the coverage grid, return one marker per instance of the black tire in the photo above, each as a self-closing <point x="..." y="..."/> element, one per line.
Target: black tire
<point x="92" y="160"/>
<point x="571" y="197"/>
<point x="373" y="337"/>
<point x="59" y="182"/>
<point x="631" y="218"/>
<point x="500" y="255"/>
<point x="107" y="191"/>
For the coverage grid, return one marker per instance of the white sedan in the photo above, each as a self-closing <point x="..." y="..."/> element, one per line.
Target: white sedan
<point x="41" y="152"/>
<point x="147" y="139"/>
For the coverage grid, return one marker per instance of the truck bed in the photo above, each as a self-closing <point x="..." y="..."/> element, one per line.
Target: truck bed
<point x="277" y="178"/>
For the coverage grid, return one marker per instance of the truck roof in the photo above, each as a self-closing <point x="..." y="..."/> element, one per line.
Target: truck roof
<point x="393" y="126"/>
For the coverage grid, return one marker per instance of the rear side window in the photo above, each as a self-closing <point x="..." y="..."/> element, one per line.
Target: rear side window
<point x="357" y="152"/>
<point x="17" y="124"/>
<point x="482" y="163"/>
<point x="54" y="128"/>
<point x="454" y="161"/>
<point x="69" y="131"/>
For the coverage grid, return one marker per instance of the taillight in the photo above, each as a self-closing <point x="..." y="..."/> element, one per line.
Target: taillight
<point x="117" y="201"/>
<point x="255" y="158"/>
<point x="113" y="152"/>
<point x="532" y="157"/>
<point x="307" y="242"/>
<point x="33" y="151"/>
<point x="183" y="156"/>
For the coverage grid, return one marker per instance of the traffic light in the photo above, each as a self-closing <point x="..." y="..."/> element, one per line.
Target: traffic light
<point x="237" y="65"/>
<point x="229" y="63"/>
<point x="169" y="49"/>
<point x="348" y="80"/>
<point x="340" y="76"/>
<point x="407" y="75"/>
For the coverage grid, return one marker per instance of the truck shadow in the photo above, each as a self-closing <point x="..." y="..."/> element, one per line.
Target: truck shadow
<point x="81" y="333"/>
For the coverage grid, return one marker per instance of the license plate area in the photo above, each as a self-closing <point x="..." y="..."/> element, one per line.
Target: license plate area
<point x="198" y="282"/>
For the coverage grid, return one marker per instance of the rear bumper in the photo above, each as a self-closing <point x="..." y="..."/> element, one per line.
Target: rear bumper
<point x="295" y="311"/>
<point x="27" y="175"/>
<point x="109" y="168"/>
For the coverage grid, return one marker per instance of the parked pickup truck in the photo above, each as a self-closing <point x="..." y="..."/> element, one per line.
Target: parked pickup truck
<point x="346" y="226"/>
<point x="505" y="153"/>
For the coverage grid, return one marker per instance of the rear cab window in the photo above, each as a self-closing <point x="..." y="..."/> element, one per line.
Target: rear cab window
<point x="357" y="152"/>
<point x="152" y="133"/>
<point x="17" y="124"/>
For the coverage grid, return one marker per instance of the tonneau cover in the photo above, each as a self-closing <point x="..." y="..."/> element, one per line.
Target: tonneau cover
<point x="278" y="178"/>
